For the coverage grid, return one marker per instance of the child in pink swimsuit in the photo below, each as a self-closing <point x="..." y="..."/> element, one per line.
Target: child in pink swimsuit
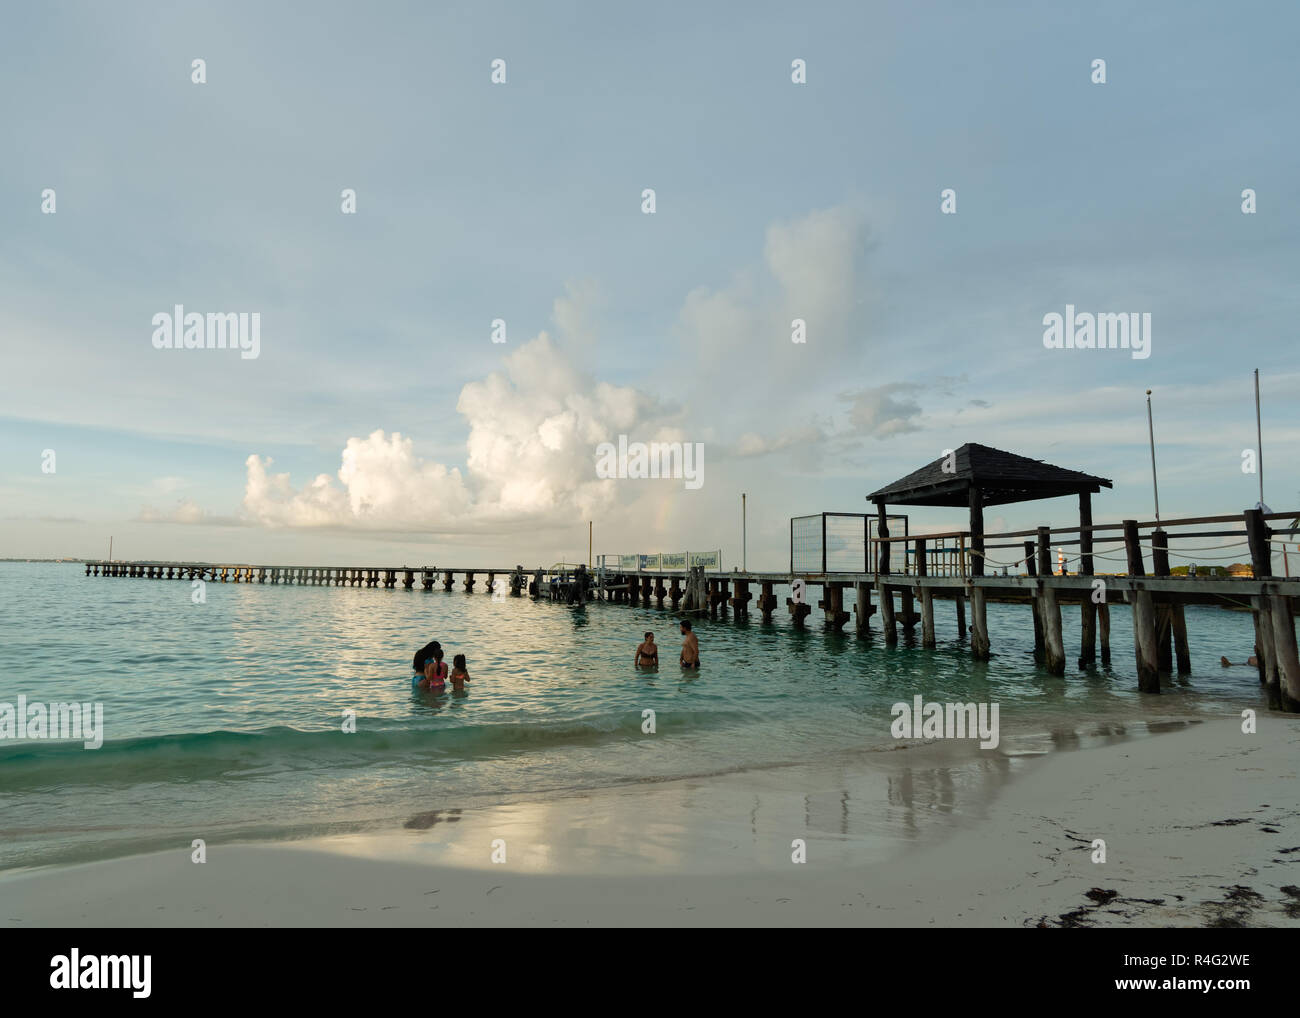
<point x="435" y="673"/>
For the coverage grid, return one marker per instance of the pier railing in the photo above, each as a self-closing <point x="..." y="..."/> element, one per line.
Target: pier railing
<point x="1123" y="548"/>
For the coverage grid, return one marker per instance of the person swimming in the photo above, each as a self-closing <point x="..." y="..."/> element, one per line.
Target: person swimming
<point x="435" y="672"/>
<point x="459" y="674"/>
<point x="690" y="647"/>
<point x="647" y="653"/>
<point x="421" y="656"/>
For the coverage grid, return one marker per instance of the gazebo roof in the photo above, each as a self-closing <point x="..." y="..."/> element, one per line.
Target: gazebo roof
<point x="1002" y="477"/>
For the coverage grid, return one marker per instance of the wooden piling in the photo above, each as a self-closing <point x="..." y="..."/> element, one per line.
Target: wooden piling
<point x="979" y="637"/>
<point x="1144" y="616"/>
<point x="886" y="598"/>
<point x="959" y="601"/>
<point x="1031" y="569"/>
<point x="1053" y="643"/>
<point x="740" y="600"/>
<point x="1164" y="610"/>
<point x="927" y="595"/>
<point x="863" y="609"/>
<point x="832" y="605"/>
<point x="766" y="600"/>
<point x="1284" y="646"/>
<point x="1266" y="652"/>
<point x="908" y="607"/>
<point x="1103" y="632"/>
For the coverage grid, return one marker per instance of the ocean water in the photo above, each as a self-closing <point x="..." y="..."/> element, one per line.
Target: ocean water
<point x="223" y="720"/>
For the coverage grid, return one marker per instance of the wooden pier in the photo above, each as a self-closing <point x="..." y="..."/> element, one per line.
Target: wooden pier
<point x="953" y="566"/>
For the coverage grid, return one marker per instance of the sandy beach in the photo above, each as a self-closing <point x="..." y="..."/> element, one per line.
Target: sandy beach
<point x="1200" y="824"/>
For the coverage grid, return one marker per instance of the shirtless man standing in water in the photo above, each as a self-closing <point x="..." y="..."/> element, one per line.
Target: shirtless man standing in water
<point x="690" y="647"/>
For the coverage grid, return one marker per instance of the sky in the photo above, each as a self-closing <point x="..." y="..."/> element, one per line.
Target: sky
<point x="380" y="424"/>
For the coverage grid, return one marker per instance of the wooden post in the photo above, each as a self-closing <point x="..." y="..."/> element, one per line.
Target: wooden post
<point x="1044" y="551"/>
<point x="886" y="598"/>
<point x="766" y="600"/>
<point x="675" y="592"/>
<point x="1054" y="644"/>
<point x="1257" y="535"/>
<point x="1103" y="632"/>
<point x="908" y="607"/>
<point x="1164" y="613"/>
<point x="1288" y="661"/>
<point x="1031" y="568"/>
<point x="1144" y="616"/>
<point x="882" y="530"/>
<point x="1085" y="534"/>
<point x="927" y="595"/>
<point x="832" y="605"/>
<point x="976" y="501"/>
<point x="1266" y="651"/>
<point x="1087" y="608"/>
<point x="863" y="609"/>
<point x="979" y="638"/>
<point x="960" y="603"/>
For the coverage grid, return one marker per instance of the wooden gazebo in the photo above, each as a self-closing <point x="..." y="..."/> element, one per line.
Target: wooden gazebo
<point x="978" y="475"/>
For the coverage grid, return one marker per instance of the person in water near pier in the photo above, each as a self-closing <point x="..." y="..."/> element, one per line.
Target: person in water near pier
<point x="421" y="656"/>
<point x="459" y="675"/>
<point x="647" y="653"/>
<point x="690" y="647"/>
<point x="435" y="672"/>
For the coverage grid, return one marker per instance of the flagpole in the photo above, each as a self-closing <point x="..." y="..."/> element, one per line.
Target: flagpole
<point x="1151" y="433"/>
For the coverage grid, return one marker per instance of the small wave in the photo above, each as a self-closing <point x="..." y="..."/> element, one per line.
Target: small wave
<point x="229" y="755"/>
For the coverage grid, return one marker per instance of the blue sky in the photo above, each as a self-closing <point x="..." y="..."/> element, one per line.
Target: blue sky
<point x="522" y="201"/>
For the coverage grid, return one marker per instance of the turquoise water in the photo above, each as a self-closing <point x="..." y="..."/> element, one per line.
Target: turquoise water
<point x="223" y="720"/>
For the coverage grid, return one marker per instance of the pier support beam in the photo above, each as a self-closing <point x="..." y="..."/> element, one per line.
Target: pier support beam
<point x="832" y="605"/>
<point x="718" y="597"/>
<point x="1031" y="569"/>
<point x="674" y="592"/>
<point x="1103" y="632"/>
<point x="1054" y="645"/>
<point x="766" y="600"/>
<point x="863" y="609"/>
<point x="448" y="580"/>
<point x="1266" y="652"/>
<point x="1144" y="616"/>
<point x="740" y="600"/>
<point x="886" y="598"/>
<point x="1284" y="646"/>
<point x="926" y="595"/>
<point x="908" y="608"/>
<point x="469" y="583"/>
<point x="979" y="636"/>
<point x="959" y="602"/>
<point x="696" y="592"/>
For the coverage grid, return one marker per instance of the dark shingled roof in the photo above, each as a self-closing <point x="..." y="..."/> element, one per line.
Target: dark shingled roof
<point x="1003" y="477"/>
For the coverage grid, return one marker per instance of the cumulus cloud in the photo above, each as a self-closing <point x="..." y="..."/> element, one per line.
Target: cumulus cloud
<point x="534" y="424"/>
<point x="533" y="429"/>
<point x="883" y="411"/>
<point x="812" y="270"/>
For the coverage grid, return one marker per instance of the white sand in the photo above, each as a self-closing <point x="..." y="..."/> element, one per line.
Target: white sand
<point x="716" y="852"/>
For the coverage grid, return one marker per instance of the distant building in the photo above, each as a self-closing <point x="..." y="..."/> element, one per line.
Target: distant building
<point x="1238" y="569"/>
